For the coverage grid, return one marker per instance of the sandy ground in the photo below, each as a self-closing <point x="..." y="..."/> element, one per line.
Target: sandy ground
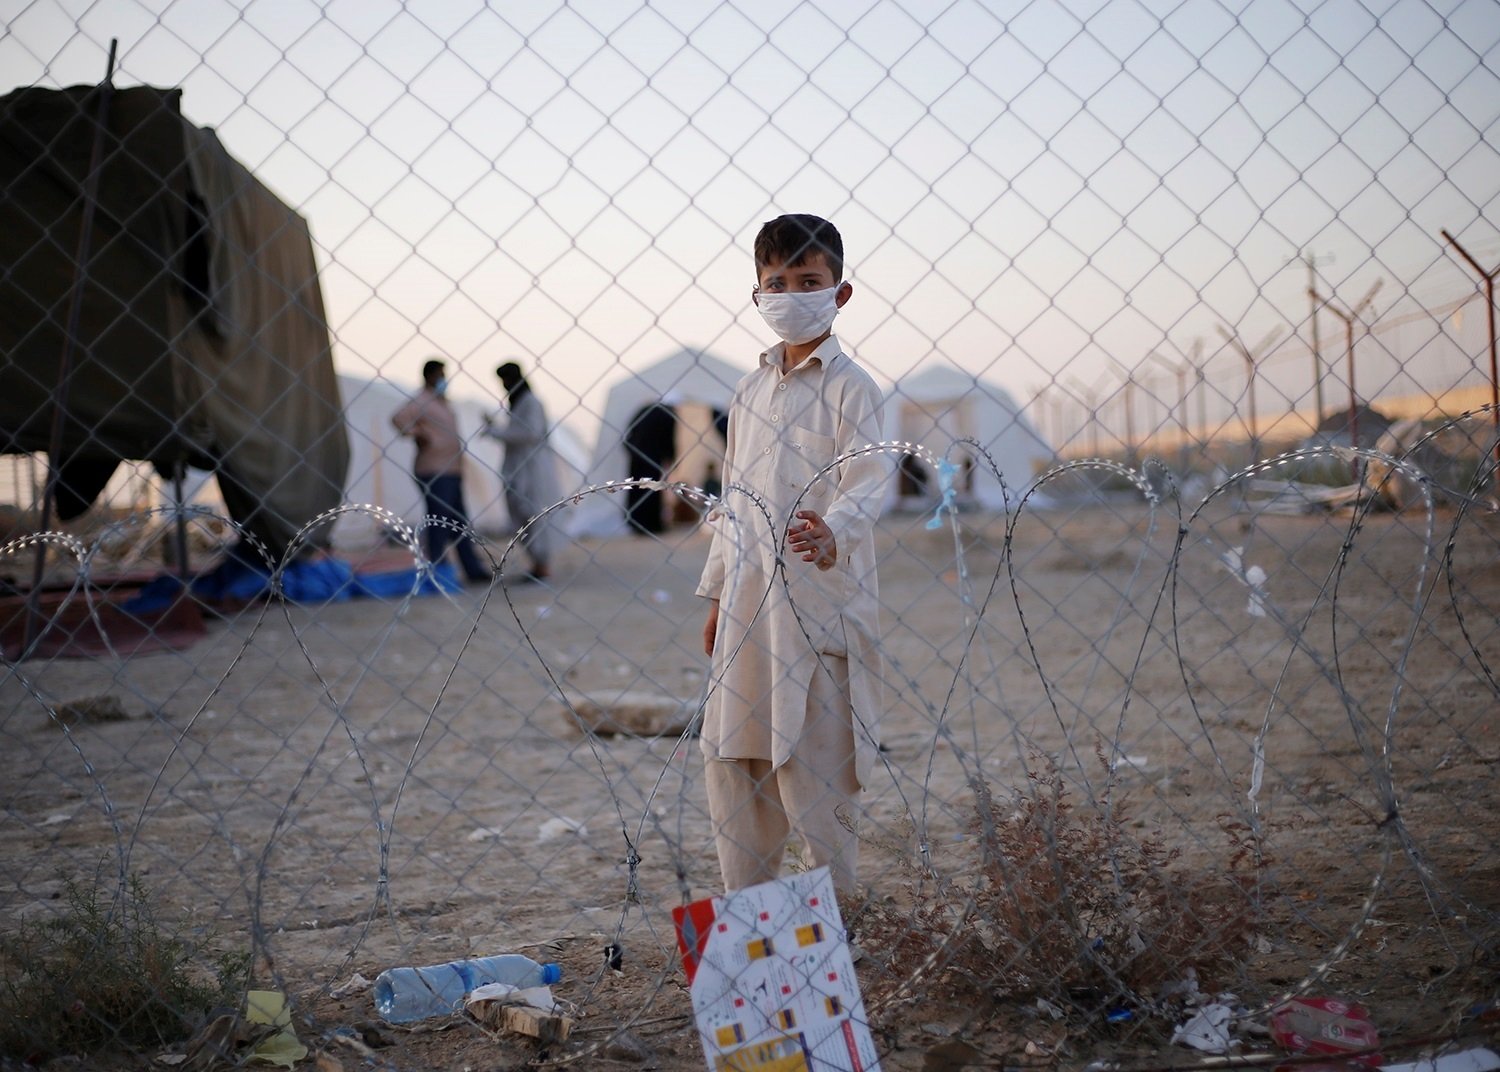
<point x="349" y="787"/>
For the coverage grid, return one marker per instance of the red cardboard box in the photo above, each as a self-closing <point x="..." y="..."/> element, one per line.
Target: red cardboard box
<point x="1329" y="1027"/>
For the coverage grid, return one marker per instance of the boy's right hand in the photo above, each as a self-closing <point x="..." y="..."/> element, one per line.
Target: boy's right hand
<point x="711" y="627"/>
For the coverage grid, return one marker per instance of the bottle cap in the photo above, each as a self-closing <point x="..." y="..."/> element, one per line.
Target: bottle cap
<point x="551" y="973"/>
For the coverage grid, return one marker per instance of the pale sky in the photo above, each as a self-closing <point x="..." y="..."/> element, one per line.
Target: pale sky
<point x="1025" y="190"/>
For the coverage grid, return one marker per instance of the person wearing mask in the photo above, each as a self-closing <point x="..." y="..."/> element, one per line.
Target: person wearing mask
<point x="429" y="421"/>
<point x="791" y="725"/>
<point x="528" y="468"/>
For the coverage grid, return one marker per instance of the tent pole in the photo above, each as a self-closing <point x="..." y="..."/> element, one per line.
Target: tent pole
<point x="70" y="338"/>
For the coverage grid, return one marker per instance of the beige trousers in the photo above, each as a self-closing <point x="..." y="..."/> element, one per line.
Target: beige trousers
<point x="754" y="806"/>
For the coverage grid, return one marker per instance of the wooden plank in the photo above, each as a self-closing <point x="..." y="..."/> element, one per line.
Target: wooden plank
<point x="545" y="1027"/>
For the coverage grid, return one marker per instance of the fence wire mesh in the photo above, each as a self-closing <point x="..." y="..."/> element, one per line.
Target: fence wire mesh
<point x="1178" y="682"/>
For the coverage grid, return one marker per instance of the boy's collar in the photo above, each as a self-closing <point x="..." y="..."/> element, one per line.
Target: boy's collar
<point x="824" y="355"/>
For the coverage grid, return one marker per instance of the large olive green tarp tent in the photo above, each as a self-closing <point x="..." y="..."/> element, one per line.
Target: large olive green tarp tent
<point x="201" y="334"/>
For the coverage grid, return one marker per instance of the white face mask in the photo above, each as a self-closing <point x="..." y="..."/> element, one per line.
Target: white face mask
<point x="799" y="318"/>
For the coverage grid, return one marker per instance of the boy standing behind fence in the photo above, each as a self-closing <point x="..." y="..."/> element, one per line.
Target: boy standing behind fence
<point x="789" y="732"/>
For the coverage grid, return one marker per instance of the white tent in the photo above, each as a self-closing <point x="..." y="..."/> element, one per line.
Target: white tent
<point x="380" y="462"/>
<point x="698" y="381"/>
<point x="940" y="404"/>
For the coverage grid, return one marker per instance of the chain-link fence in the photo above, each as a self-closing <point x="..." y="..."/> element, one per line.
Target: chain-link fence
<point x="1161" y="639"/>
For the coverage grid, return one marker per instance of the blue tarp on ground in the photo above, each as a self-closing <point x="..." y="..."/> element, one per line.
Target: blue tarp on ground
<point x="318" y="580"/>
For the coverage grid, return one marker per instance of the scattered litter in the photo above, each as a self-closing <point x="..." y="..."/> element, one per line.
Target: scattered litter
<point x="1047" y="1007"/>
<point x="357" y="984"/>
<point x="225" y="1035"/>
<point x="1185" y="988"/>
<point x="558" y="826"/>
<point x="345" y="1036"/>
<point x="58" y="817"/>
<point x="282" y="1048"/>
<point x="530" y="1011"/>
<point x="537" y="997"/>
<point x="486" y="833"/>
<point x="405" y="994"/>
<point x="1483" y="1012"/>
<point x="1206" y="1030"/>
<point x="1475" y="1060"/>
<point x="1326" y="1027"/>
<point x="1256" y="578"/>
<point x="614" y="956"/>
<point x="544" y="610"/>
<point x="740" y="951"/>
<point x="661" y="595"/>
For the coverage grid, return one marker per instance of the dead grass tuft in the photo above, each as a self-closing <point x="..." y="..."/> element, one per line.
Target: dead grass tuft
<point x="1062" y="901"/>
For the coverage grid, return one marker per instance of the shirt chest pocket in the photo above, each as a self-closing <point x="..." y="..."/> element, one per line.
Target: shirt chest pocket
<point x="801" y="456"/>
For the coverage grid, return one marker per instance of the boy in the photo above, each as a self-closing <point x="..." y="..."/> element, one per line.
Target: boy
<point x="789" y="731"/>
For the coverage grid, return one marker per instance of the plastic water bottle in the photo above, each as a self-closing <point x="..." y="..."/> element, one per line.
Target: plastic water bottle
<point x="406" y="994"/>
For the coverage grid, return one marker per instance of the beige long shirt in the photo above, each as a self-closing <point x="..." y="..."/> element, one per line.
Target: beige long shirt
<point x="783" y="430"/>
<point x="529" y="471"/>
<point x="429" y="420"/>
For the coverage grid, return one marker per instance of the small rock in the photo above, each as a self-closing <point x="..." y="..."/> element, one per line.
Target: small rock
<point x="953" y="1055"/>
<point x="625" y="713"/>
<point x="374" y="1034"/>
<point x="103" y="708"/>
<point x="559" y="825"/>
<point x="626" y="1047"/>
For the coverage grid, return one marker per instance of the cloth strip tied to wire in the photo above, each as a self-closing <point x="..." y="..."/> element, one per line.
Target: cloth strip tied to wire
<point x="945" y="471"/>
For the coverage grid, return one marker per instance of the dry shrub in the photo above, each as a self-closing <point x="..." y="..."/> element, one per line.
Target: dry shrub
<point x="1063" y="901"/>
<point x="107" y="973"/>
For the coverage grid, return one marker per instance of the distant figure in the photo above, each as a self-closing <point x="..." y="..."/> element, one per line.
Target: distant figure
<point x="428" y="419"/>
<point x="650" y="450"/>
<point x="528" y="468"/>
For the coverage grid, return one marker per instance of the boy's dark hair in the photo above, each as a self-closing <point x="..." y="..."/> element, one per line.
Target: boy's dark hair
<point x="791" y="239"/>
<point x="432" y="370"/>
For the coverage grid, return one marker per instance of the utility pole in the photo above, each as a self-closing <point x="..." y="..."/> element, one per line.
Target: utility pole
<point x="1312" y="261"/>
<point x="1197" y="362"/>
<point x="1350" y="317"/>
<point x="1179" y="370"/>
<point x="1089" y="397"/>
<point x="1489" y="294"/>
<point x="1039" y="409"/>
<point x="1251" y="357"/>
<point x="1129" y="378"/>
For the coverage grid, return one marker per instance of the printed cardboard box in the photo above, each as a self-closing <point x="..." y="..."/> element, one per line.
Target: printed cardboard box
<point x="772" y="980"/>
